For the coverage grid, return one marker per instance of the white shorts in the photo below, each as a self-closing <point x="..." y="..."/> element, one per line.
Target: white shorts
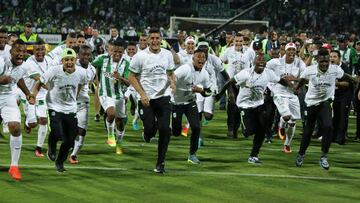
<point x="205" y="104"/>
<point x="82" y="114"/>
<point x="120" y="108"/>
<point x="288" y="106"/>
<point x="33" y="112"/>
<point x="9" y="109"/>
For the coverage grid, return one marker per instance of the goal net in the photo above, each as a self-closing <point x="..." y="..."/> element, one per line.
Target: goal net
<point x="206" y="24"/>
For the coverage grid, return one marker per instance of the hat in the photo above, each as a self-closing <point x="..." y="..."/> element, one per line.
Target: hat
<point x="257" y="45"/>
<point x="67" y="52"/>
<point x="28" y="24"/>
<point x="189" y="39"/>
<point x="327" y="46"/>
<point x="290" y="45"/>
<point x="98" y="41"/>
<point x="202" y="44"/>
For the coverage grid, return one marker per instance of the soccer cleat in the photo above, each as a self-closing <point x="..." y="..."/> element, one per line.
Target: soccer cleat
<point x="135" y="125"/>
<point x="324" y="163"/>
<point x="60" y="167"/>
<point x="111" y="141"/>
<point x="51" y="156"/>
<point x="268" y="140"/>
<point x="299" y="160"/>
<point x="281" y="133"/>
<point x="287" y="149"/>
<point x="193" y="159"/>
<point x="97" y="118"/>
<point x="254" y="160"/>
<point x="119" y="150"/>
<point x="185" y="131"/>
<point x="160" y="169"/>
<point x="146" y="138"/>
<point x="73" y="159"/>
<point x="38" y="152"/>
<point x="205" y="122"/>
<point x="15" y="172"/>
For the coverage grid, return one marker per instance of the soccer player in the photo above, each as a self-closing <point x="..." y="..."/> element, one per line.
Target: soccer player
<point x="12" y="73"/>
<point x="83" y="100"/>
<point x="321" y="78"/>
<point x="113" y="73"/>
<point x="55" y="54"/>
<point x="232" y="56"/>
<point x="284" y="98"/>
<point x="143" y="42"/>
<point x="151" y="71"/>
<point x="4" y="48"/>
<point x="250" y="100"/>
<point x="64" y="83"/>
<point x="35" y="66"/>
<point x="190" y="79"/>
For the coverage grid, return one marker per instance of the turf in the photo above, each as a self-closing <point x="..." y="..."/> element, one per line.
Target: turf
<point x="223" y="175"/>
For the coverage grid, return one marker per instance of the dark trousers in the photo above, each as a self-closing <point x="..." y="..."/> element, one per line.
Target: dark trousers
<point x="191" y="112"/>
<point x="254" y="120"/>
<point x="233" y="113"/>
<point x="322" y="114"/>
<point x="64" y="127"/>
<point x="357" y="109"/>
<point x="341" y="110"/>
<point x="157" y="117"/>
<point x="270" y="109"/>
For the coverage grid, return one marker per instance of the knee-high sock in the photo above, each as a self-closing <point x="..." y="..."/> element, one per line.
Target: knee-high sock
<point x="290" y="134"/>
<point x="110" y="127"/>
<point x="119" y="135"/>
<point x="42" y="131"/>
<point x="282" y="123"/>
<point x="15" y="148"/>
<point x="79" y="142"/>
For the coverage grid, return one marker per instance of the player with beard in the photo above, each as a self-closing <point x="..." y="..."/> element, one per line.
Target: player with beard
<point x="55" y="54"/>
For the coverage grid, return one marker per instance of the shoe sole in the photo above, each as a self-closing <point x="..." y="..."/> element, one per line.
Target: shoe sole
<point x="193" y="162"/>
<point x="47" y="155"/>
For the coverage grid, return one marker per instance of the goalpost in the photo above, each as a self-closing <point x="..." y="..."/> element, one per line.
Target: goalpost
<point x="206" y="24"/>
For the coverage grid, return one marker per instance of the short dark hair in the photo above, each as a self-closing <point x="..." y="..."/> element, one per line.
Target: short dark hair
<point x="337" y="52"/>
<point x="39" y="41"/>
<point x="239" y="35"/>
<point x="80" y="36"/>
<point x="154" y="30"/>
<point x="118" y="43"/>
<point x="84" y="47"/>
<point x="71" y="35"/>
<point x="131" y="43"/>
<point x="18" y="42"/>
<point x="3" y="30"/>
<point x="323" y="52"/>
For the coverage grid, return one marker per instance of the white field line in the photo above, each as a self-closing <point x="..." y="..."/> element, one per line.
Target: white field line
<point x="198" y="173"/>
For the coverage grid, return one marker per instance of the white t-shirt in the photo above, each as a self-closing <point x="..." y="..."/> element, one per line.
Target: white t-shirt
<point x="6" y="52"/>
<point x="252" y="87"/>
<point x="90" y="76"/>
<point x="55" y="55"/>
<point x="186" y="78"/>
<point x="213" y="66"/>
<point x="184" y="57"/>
<point x="247" y="60"/>
<point x="33" y="68"/>
<point x="233" y="58"/>
<point x="16" y="73"/>
<point x="152" y="69"/>
<point x="63" y="88"/>
<point x="281" y="69"/>
<point x="321" y="85"/>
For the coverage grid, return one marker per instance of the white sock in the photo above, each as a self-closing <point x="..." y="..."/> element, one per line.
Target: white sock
<point x="79" y="142"/>
<point x="282" y="123"/>
<point x="136" y="117"/>
<point x="110" y="127"/>
<point x="15" y="149"/>
<point x="26" y="123"/>
<point x="290" y="134"/>
<point x="187" y="125"/>
<point x="42" y="132"/>
<point x="119" y="135"/>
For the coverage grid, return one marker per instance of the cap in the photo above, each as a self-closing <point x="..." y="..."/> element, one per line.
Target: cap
<point x="98" y="41"/>
<point x="189" y="39"/>
<point x="202" y="44"/>
<point x="257" y="45"/>
<point x="290" y="45"/>
<point x="28" y="24"/>
<point x="327" y="46"/>
<point x="67" y="52"/>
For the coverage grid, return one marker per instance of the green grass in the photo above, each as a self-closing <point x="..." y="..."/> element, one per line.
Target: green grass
<point x="223" y="176"/>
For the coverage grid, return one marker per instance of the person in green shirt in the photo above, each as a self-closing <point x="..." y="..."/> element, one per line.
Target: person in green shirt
<point x="112" y="71"/>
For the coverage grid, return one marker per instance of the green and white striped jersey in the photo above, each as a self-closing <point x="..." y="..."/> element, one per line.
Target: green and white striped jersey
<point x="108" y="85"/>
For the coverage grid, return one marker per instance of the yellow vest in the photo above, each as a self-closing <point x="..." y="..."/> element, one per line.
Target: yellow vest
<point x="264" y="44"/>
<point x="32" y="38"/>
